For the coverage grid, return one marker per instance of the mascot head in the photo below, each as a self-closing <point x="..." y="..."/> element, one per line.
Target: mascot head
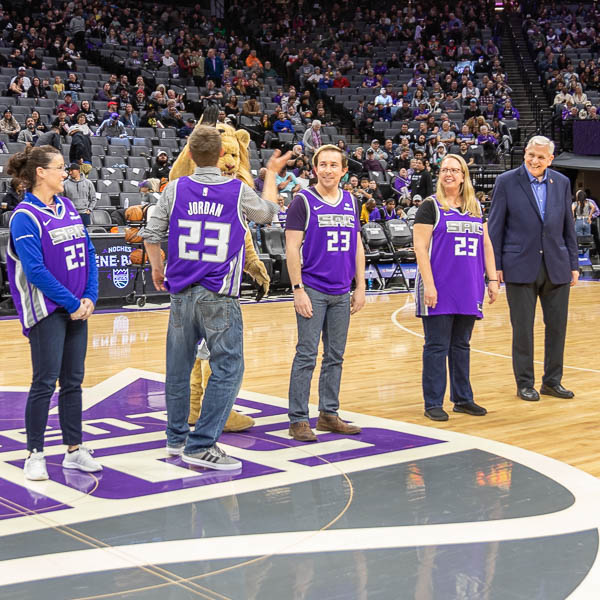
<point x="235" y="161"/>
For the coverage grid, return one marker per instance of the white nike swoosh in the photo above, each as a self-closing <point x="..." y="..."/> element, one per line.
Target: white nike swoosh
<point x="318" y="207"/>
<point x="46" y="222"/>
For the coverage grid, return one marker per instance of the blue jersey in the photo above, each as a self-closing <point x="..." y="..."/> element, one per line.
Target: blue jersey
<point x="329" y="247"/>
<point x="65" y="253"/>
<point x="456" y="254"/>
<point x="206" y="237"/>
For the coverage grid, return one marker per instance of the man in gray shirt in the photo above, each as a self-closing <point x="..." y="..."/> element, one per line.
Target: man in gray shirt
<point x="81" y="192"/>
<point x="204" y="217"/>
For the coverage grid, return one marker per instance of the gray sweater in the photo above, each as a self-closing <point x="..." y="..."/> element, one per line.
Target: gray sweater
<point x="82" y="193"/>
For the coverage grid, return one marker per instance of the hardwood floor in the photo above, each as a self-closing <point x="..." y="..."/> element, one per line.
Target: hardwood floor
<point x="382" y="367"/>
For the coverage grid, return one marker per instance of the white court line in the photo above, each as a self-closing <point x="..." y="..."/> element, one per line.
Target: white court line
<point x="409" y="304"/>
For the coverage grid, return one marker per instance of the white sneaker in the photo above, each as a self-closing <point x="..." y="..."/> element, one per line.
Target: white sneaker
<point x="82" y="460"/>
<point x="35" y="467"/>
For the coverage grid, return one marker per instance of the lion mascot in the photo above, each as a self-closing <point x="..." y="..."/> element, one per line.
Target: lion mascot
<point x="234" y="162"/>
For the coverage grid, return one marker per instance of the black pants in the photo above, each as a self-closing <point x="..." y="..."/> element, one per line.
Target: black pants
<point x="522" y="299"/>
<point x="58" y="346"/>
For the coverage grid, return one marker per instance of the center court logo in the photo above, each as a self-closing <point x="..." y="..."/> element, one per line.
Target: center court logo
<point x="126" y="430"/>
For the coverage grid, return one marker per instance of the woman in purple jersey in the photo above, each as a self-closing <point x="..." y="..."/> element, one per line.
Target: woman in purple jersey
<point x="54" y="283"/>
<point x="453" y="250"/>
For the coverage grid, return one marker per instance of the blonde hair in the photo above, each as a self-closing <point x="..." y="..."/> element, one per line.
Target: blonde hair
<point x="469" y="202"/>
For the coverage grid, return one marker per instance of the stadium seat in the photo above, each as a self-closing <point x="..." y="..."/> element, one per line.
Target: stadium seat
<point x="100" y="217"/>
<point x="273" y="240"/>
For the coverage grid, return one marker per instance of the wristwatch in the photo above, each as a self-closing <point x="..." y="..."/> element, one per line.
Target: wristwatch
<point x="298" y="286"/>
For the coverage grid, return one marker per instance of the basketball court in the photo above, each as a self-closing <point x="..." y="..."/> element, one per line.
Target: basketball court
<point x="499" y="507"/>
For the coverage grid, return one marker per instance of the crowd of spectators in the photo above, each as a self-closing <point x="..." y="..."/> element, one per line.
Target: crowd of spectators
<point x="272" y="69"/>
<point x="565" y="42"/>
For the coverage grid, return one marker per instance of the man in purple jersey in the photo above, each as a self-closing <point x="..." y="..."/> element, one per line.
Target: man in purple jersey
<point x="323" y="228"/>
<point x="205" y="216"/>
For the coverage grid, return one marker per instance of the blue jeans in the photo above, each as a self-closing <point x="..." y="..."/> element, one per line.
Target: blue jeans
<point x="447" y="337"/>
<point x="331" y="317"/>
<point x="582" y="227"/>
<point x="198" y="313"/>
<point x="58" y="346"/>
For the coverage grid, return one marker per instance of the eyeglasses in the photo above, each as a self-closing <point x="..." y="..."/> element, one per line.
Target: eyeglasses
<point x="447" y="170"/>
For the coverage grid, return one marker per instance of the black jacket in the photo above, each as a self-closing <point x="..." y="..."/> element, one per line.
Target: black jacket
<point x="81" y="148"/>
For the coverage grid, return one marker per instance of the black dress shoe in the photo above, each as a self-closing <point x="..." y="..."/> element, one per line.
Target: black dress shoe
<point x="437" y="413"/>
<point x="528" y="393"/>
<point x="470" y="408"/>
<point x="556" y="390"/>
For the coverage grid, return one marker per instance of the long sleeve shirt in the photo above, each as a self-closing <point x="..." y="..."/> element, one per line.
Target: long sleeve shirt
<point x="254" y="207"/>
<point x="27" y="243"/>
<point x="81" y="193"/>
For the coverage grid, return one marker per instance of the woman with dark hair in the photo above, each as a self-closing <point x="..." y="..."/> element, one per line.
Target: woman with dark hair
<point x="40" y="126"/>
<point x="583" y="211"/>
<point x="36" y="90"/>
<point x="13" y="196"/>
<point x="16" y="89"/>
<point x="54" y="284"/>
<point x="9" y="125"/>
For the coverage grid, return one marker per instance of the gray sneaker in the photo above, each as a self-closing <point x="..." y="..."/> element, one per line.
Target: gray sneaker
<point x="212" y="458"/>
<point x="175" y="450"/>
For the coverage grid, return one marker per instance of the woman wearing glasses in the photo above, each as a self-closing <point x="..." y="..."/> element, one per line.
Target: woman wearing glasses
<point x="54" y="284"/>
<point x="453" y="250"/>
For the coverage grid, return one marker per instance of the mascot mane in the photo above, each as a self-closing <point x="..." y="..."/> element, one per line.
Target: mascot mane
<point x="235" y="143"/>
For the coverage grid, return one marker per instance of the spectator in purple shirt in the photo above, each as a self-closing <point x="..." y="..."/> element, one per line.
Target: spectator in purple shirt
<point x="508" y="111"/>
<point x="485" y="136"/>
<point x="421" y="113"/>
<point x="259" y="182"/>
<point x="370" y="80"/>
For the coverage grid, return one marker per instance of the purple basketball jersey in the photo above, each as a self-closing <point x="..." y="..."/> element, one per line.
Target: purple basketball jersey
<point x="206" y="237"/>
<point x="456" y="254"/>
<point x="65" y="252"/>
<point x="329" y="247"/>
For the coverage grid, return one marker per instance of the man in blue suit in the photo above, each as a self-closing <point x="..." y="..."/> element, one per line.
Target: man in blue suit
<point x="213" y="67"/>
<point x="532" y="230"/>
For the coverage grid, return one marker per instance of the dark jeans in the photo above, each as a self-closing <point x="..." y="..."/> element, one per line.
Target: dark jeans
<point x="86" y="218"/>
<point x="58" y="346"/>
<point x="522" y="300"/>
<point x="447" y="337"/>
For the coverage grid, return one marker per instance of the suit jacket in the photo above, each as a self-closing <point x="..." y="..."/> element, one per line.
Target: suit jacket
<point x="519" y="236"/>
<point x="216" y="71"/>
